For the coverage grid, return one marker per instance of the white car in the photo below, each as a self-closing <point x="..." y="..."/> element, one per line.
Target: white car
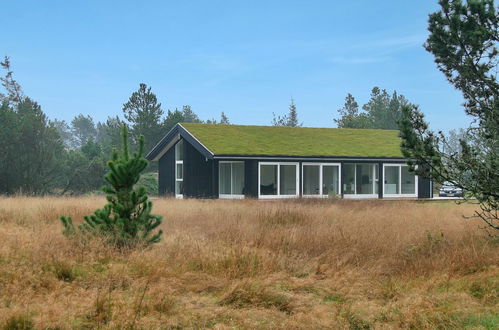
<point x="450" y="190"/>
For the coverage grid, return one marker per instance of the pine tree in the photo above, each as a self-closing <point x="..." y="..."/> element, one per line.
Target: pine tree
<point x="293" y="115"/>
<point x="126" y="219"/>
<point x="291" y="119"/>
<point x="144" y="113"/>
<point x="463" y="39"/>
<point x="224" y="119"/>
<point x="350" y="116"/>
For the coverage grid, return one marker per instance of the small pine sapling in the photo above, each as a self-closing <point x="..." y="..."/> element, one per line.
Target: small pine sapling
<point x="126" y="219"/>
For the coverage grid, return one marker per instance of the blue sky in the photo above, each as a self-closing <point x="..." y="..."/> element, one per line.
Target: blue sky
<point x="245" y="58"/>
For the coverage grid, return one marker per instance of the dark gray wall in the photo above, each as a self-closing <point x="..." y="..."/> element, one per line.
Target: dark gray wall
<point x="200" y="174"/>
<point x="251" y="178"/>
<point x="424" y="188"/>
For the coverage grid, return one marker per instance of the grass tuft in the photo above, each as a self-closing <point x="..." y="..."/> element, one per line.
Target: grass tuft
<point x="19" y="322"/>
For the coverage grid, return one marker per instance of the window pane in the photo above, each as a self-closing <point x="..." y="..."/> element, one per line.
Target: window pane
<point x="330" y="180"/>
<point x="376" y="179"/>
<point x="224" y="178"/>
<point x="408" y="181"/>
<point x="180" y="171"/>
<point x="179" y="187"/>
<point x="348" y="178"/>
<point x="237" y="178"/>
<point x="268" y="179"/>
<point x="392" y="180"/>
<point x="311" y="179"/>
<point x="288" y="180"/>
<point x="364" y="173"/>
<point x="179" y="150"/>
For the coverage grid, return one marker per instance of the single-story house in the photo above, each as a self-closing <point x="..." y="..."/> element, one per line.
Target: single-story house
<point x="236" y="161"/>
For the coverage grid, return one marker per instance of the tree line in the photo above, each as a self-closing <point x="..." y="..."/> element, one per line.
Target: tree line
<point x="40" y="156"/>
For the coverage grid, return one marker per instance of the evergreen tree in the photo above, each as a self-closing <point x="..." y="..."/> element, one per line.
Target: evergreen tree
<point x="172" y="118"/>
<point x="14" y="91"/>
<point x="31" y="149"/>
<point x="224" y="119"/>
<point x="126" y="220"/>
<point x="83" y="129"/>
<point x="189" y="116"/>
<point x="382" y="111"/>
<point x="64" y="132"/>
<point x="109" y="134"/>
<point x="350" y="116"/>
<point x="291" y="119"/>
<point x="144" y="113"/>
<point x="463" y="38"/>
<point x="83" y="169"/>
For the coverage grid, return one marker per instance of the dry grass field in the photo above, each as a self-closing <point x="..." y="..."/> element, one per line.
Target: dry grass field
<point x="251" y="264"/>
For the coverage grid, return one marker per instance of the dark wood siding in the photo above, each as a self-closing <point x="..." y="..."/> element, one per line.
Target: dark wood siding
<point x="251" y="178"/>
<point x="199" y="173"/>
<point x="424" y="188"/>
<point x="166" y="173"/>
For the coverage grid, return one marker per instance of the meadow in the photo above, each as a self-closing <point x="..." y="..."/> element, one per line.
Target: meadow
<point x="252" y="265"/>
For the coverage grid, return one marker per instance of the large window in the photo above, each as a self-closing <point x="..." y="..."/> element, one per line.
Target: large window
<point x="398" y="181"/>
<point x="278" y="180"/>
<point x="360" y="180"/>
<point x="179" y="169"/>
<point x="321" y="180"/>
<point x="231" y="179"/>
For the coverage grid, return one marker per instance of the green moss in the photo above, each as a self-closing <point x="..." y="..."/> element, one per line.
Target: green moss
<point x="296" y="141"/>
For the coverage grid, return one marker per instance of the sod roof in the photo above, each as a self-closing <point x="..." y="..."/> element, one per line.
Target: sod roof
<point x="296" y="141"/>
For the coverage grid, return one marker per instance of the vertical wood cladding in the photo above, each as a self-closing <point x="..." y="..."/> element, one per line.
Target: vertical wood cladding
<point x="250" y="178"/>
<point x="199" y="174"/>
<point x="424" y="188"/>
<point x="166" y="173"/>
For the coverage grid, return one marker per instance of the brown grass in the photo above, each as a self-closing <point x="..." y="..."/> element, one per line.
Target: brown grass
<point x="253" y="264"/>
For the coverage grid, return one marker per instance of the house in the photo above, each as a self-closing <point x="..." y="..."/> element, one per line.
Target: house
<point x="235" y="161"/>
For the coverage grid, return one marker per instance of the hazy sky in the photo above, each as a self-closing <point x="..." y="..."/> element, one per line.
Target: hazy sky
<point x="246" y="58"/>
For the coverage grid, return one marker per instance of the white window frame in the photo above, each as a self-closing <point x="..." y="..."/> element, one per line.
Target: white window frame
<point x="279" y="180"/>
<point x="360" y="196"/>
<point x="400" y="182"/>
<point x="321" y="184"/>
<point x="180" y="196"/>
<point x="227" y="196"/>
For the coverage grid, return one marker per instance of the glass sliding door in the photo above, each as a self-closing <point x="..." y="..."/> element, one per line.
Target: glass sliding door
<point x="311" y="180"/>
<point x="330" y="180"/>
<point x="398" y="181"/>
<point x="348" y="179"/>
<point x="321" y="179"/>
<point x="268" y="179"/>
<point x="364" y="179"/>
<point x="392" y="182"/>
<point x="360" y="180"/>
<point x="238" y="178"/>
<point x="278" y="180"/>
<point x="287" y="180"/>
<point x="407" y="182"/>
<point x="231" y="179"/>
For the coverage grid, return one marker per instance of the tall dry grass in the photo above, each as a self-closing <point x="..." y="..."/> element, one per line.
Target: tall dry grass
<point x="253" y="264"/>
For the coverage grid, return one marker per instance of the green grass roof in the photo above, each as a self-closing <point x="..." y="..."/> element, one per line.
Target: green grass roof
<point x="296" y="141"/>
